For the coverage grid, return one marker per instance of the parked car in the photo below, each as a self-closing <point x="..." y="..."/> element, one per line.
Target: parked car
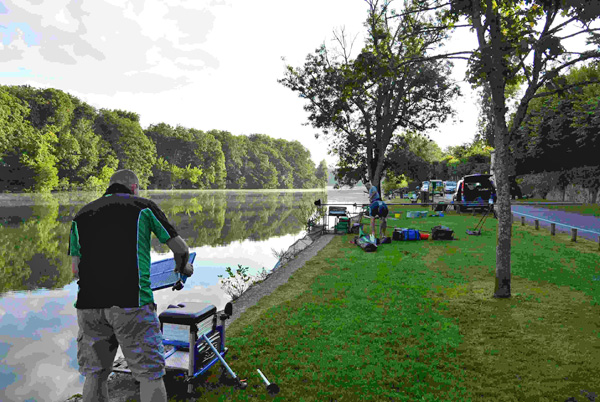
<point x="449" y="189"/>
<point x="475" y="191"/>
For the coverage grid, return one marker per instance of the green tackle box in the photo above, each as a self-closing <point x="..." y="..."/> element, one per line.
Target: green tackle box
<point x="343" y="224"/>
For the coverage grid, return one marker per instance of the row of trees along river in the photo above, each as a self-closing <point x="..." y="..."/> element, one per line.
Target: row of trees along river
<point x="51" y="140"/>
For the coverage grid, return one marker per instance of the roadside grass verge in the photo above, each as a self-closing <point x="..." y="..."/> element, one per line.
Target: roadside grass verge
<point x="417" y="321"/>
<point x="585" y="209"/>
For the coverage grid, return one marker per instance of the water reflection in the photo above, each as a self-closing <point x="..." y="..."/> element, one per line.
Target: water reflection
<point x="34" y="237"/>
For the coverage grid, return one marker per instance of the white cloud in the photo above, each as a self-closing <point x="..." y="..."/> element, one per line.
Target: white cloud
<point x="207" y="65"/>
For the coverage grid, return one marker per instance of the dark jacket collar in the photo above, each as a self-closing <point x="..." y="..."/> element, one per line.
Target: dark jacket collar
<point x="117" y="188"/>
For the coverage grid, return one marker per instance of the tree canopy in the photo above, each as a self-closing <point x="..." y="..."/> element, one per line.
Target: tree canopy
<point x="362" y="103"/>
<point x="50" y="140"/>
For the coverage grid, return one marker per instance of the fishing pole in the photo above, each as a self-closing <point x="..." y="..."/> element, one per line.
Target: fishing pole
<point x="424" y="204"/>
<point x="318" y="204"/>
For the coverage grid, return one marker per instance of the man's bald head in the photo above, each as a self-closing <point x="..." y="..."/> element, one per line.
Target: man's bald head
<point x="127" y="178"/>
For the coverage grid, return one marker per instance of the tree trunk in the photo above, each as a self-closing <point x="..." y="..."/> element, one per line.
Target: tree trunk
<point x="501" y="171"/>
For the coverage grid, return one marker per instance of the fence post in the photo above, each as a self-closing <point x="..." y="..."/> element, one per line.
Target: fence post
<point x="573" y="234"/>
<point x="522" y="221"/>
<point x="537" y="224"/>
<point x="553" y="229"/>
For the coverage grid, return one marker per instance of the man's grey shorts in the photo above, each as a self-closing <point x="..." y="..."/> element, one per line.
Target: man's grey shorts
<point x="136" y="330"/>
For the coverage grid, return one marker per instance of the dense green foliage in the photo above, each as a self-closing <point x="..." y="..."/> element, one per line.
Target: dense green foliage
<point x="50" y="140"/>
<point x="560" y="132"/>
<point x="462" y="160"/>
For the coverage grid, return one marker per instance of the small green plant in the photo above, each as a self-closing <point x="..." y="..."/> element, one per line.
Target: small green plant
<point x="237" y="283"/>
<point x="240" y="281"/>
<point x="261" y="275"/>
<point x="280" y="254"/>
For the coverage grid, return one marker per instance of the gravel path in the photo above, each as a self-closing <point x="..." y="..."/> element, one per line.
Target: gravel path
<point x="588" y="226"/>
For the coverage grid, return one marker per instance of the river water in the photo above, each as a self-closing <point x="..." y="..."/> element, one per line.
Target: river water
<point x="38" y="323"/>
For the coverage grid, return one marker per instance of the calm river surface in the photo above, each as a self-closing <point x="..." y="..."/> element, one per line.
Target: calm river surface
<point x="38" y="323"/>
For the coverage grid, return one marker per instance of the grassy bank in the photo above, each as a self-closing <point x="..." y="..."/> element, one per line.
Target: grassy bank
<point x="416" y="321"/>
<point x="585" y="209"/>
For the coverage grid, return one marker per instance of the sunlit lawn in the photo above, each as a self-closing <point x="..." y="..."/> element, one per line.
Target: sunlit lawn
<point x="416" y="321"/>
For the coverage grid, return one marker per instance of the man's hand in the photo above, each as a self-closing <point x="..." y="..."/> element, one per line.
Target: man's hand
<point x="187" y="271"/>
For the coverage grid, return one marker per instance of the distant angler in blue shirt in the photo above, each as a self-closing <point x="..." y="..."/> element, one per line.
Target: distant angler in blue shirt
<point x="377" y="209"/>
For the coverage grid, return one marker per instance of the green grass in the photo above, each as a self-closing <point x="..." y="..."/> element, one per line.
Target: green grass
<point x="417" y="321"/>
<point x="585" y="209"/>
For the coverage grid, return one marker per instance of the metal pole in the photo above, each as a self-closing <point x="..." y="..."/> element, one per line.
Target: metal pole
<point x="573" y="234"/>
<point x="271" y="387"/>
<point x="216" y="352"/>
<point x="553" y="229"/>
<point x="192" y="356"/>
<point x="537" y="224"/>
<point x="263" y="377"/>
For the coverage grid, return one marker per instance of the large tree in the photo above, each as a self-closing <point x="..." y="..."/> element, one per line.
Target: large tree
<point x="321" y="174"/>
<point x="272" y="150"/>
<point x="133" y="149"/>
<point x="27" y="160"/>
<point x="361" y="104"/>
<point x="520" y="42"/>
<point x="235" y="153"/>
<point x="259" y="171"/>
<point x="303" y="168"/>
<point x="210" y="158"/>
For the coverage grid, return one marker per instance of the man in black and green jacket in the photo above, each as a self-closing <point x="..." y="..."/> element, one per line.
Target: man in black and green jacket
<point x="110" y="249"/>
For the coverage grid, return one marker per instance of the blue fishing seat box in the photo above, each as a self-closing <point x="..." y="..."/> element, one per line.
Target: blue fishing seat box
<point x="188" y="313"/>
<point x="405" y="234"/>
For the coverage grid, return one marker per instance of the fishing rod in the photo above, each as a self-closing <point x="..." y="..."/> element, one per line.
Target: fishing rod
<point x="318" y="204"/>
<point x="471" y="204"/>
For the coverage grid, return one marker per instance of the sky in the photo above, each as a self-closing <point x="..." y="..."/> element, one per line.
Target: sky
<point x="210" y="64"/>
